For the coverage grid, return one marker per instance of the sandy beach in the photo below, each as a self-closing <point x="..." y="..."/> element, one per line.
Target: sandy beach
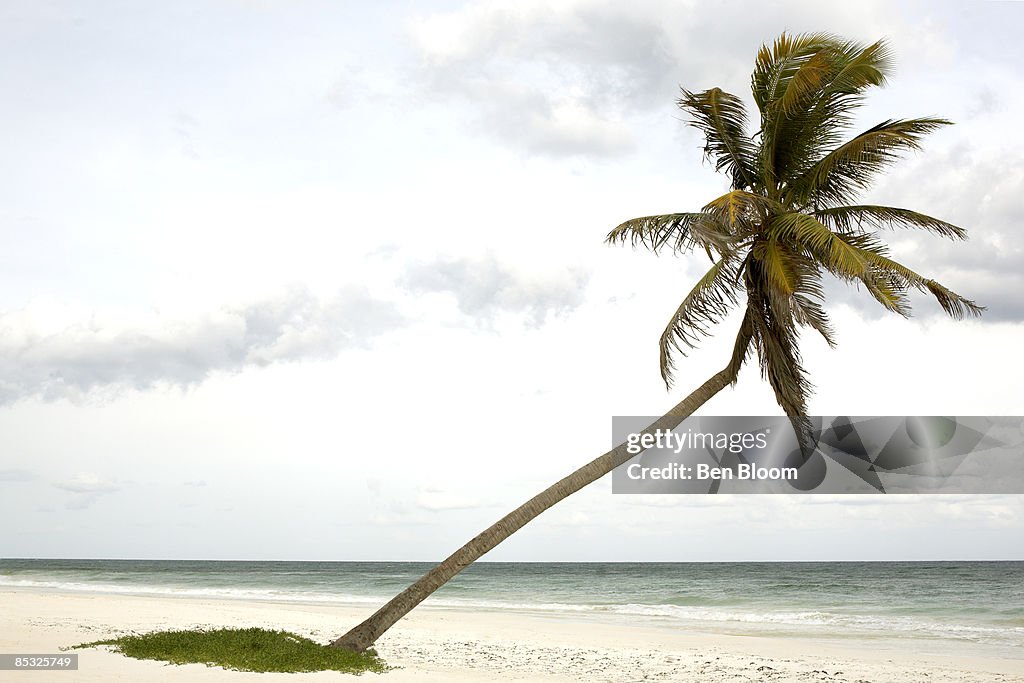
<point x="441" y="644"/>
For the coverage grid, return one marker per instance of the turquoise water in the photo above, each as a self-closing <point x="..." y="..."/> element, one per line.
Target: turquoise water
<point x="969" y="605"/>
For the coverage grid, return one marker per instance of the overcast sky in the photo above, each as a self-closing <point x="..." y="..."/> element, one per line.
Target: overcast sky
<point x="321" y="280"/>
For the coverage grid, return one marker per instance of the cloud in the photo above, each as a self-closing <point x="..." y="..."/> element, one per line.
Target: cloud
<point x="16" y="475"/>
<point x="548" y="78"/>
<point x="86" y="488"/>
<point x="53" y="352"/>
<point x="568" y="518"/>
<point x="354" y="84"/>
<point x="396" y="513"/>
<point x="565" y="78"/>
<point x="437" y="500"/>
<point x="976" y="189"/>
<point x="484" y="288"/>
<point x="86" y="482"/>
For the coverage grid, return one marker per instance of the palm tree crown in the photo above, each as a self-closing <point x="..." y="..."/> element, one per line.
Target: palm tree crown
<point x="789" y="217"/>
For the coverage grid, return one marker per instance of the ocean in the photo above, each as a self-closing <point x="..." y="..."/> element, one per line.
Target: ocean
<point x="965" y="607"/>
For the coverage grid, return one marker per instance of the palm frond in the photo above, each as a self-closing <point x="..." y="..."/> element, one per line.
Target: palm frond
<point x="775" y="337"/>
<point x="852" y="166"/>
<point x="777" y="263"/>
<point x="723" y="120"/>
<point x="886" y="290"/>
<point x="806" y="82"/>
<point x="782" y="367"/>
<point x="848" y="218"/>
<point x="706" y="304"/>
<point x="861" y="67"/>
<point x="845" y="70"/>
<point x="809" y="313"/>
<point x="836" y="255"/>
<point x="807" y="88"/>
<point x="953" y="304"/>
<point x="776" y="66"/>
<point x="816" y="110"/>
<point x="741" y="211"/>
<point x="775" y="71"/>
<point x="741" y="347"/>
<point x="680" y="232"/>
<point x="793" y="284"/>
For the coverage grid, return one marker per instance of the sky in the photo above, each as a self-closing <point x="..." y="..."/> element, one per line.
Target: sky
<point x="327" y="281"/>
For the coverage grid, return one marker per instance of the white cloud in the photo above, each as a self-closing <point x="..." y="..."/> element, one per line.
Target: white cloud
<point x="436" y="500"/>
<point x="548" y="78"/>
<point x="485" y="287"/>
<point x="57" y="351"/>
<point x="87" y="482"/>
<point x="18" y="475"/>
<point x="86" y="488"/>
<point x="561" y="79"/>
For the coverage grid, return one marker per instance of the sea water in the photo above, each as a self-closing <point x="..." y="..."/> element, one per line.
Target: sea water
<point x="967" y="607"/>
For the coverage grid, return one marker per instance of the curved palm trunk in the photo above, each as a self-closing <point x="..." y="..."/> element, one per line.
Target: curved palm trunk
<point x="366" y="633"/>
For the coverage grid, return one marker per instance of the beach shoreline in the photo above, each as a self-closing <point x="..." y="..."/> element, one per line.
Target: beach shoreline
<point x="450" y="644"/>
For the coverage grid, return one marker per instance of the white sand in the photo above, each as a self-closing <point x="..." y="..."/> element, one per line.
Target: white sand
<point x="448" y="645"/>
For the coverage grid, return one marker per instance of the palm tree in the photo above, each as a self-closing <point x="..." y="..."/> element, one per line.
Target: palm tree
<point x="786" y="222"/>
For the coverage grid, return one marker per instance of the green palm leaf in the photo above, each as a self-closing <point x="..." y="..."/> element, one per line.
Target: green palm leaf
<point x="886" y="290"/>
<point x="723" y="120"/>
<point x="836" y="255"/>
<point x="859" y="217"/>
<point x="741" y="212"/>
<point x="779" y="355"/>
<point x="807" y="88"/>
<point x="776" y="66"/>
<point x="707" y="303"/>
<point x="952" y="303"/>
<point x="680" y="232"/>
<point x="809" y="313"/>
<point x="794" y="286"/>
<point x="852" y="166"/>
<point x="859" y="68"/>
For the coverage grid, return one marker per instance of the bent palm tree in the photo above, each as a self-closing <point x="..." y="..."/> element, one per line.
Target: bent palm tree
<point x="787" y="221"/>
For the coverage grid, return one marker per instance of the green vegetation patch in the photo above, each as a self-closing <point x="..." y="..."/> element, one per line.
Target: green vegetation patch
<point x="243" y="649"/>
